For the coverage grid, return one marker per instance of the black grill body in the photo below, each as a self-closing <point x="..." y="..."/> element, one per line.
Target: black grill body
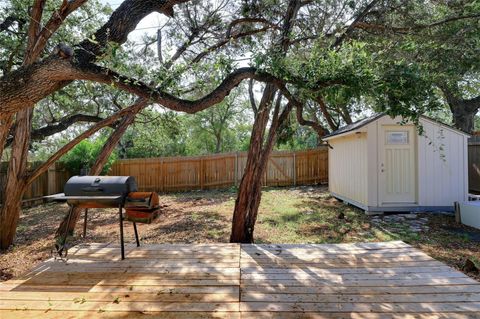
<point x="98" y="191"/>
<point x="100" y="186"/>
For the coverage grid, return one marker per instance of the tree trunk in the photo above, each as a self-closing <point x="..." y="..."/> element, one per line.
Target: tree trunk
<point x="16" y="179"/>
<point x="345" y="114"/>
<point x="10" y="213"/>
<point x="323" y="108"/>
<point x="5" y="125"/>
<point x="100" y="162"/>
<point x="249" y="192"/>
<point x="463" y="110"/>
<point x="218" y="143"/>
<point x="463" y="117"/>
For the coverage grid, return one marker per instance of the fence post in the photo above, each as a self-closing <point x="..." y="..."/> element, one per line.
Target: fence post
<point x="201" y="173"/>
<point x="265" y="174"/>
<point x="51" y="178"/>
<point x="163" y="170"/>
<point x="294" y="170"/>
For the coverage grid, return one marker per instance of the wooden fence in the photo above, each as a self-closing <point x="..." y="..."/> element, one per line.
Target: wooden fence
<point x="474" y="164"/>
<point x="168" y="174"/>
<point x="48" y="183"/>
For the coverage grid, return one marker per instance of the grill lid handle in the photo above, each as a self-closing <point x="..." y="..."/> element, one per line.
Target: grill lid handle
<point x="92" y="189"/>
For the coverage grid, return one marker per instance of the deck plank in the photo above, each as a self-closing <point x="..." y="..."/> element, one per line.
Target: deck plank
<point x="358" y="315"/>
<point x="388" y="280"/>
<point x="55" y="314"/>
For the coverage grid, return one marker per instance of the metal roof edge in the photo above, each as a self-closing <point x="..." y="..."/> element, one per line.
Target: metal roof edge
<point x="354" y="126"/>
<point x="343" y="131"/>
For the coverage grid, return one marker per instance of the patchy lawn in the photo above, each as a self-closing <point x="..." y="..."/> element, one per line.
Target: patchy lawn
<point x="295" y="215"/>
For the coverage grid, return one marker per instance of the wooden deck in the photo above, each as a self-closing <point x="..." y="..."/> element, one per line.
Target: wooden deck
<point x="374" y="280"/>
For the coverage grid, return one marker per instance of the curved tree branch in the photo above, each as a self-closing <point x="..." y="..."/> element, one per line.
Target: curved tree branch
<point x="248" y="20"/>
<point x="135" y="108"/>
<point x="122" y="21"/>
<point x="319" y="129"/>
<point x="50" y="129"/>
<point x="98" y="74"/>
<point x="34" y="26"/>
<point x="224" y="41"/>
<point x="326" y="115"/>
<point x="351" y="27"/>
<point x="251" y="96"/>
<point x="53" y="24"/>
<point x="416" y="27"/>
<point x="453" y="98"/>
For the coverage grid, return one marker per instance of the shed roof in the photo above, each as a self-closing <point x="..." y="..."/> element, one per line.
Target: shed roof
<point x="356" y="125"/>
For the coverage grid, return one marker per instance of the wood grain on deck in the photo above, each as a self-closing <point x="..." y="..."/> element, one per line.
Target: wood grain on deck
<point x="368" y="280"/>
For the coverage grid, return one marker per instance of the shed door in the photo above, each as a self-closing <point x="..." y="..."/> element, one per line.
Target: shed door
<point x="397" y="176"/>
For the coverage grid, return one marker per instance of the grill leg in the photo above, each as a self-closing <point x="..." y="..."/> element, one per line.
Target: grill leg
<point x="136" y="234"/>
<point x="62" y="246"/>
<point x="121" y="232"/>
<point x="85" y="223"/>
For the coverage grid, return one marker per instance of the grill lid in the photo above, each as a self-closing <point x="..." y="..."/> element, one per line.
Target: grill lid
<point x="100" y="186"/>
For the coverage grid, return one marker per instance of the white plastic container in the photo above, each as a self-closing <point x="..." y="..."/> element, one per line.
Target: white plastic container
<point x="470" y="214"/>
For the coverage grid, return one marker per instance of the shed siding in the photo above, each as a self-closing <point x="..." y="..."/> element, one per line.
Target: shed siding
<point x="372" y="163"/>
<point x="441" y="166"/>
<point x="348" y="167"/>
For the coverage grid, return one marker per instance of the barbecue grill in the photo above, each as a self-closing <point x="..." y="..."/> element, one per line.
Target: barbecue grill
<point x="104" y="192"/>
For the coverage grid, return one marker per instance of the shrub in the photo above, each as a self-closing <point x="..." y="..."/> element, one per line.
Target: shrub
<point x="84" y="154"/>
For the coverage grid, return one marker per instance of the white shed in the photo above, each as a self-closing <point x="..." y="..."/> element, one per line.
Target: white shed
<point x="381" y="165"/>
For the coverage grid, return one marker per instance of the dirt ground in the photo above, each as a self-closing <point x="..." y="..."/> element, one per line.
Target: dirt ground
<point x="287" y="215"/>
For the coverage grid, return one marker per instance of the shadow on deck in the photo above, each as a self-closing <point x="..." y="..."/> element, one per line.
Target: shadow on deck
<point x="365" y="280"/>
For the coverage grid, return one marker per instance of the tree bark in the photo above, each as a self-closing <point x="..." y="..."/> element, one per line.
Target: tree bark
<point x="249" y="192"/>
<point x="5" y="124"/>
<point x="345" y="114"/>
<point x="16" y="180"/>
<point x="218" y="142"/>
<point x="463" y="110"/>
<point x="463" y="118"/>
<point x="319" y="129"/>
<point x="101" y="160"/>
<point x="323" y="108"/>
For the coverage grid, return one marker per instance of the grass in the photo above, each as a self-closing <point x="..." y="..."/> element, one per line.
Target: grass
<point x="302" y="215"/>
<point x="286" y="215"/>
<point x="311" y="215"/>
